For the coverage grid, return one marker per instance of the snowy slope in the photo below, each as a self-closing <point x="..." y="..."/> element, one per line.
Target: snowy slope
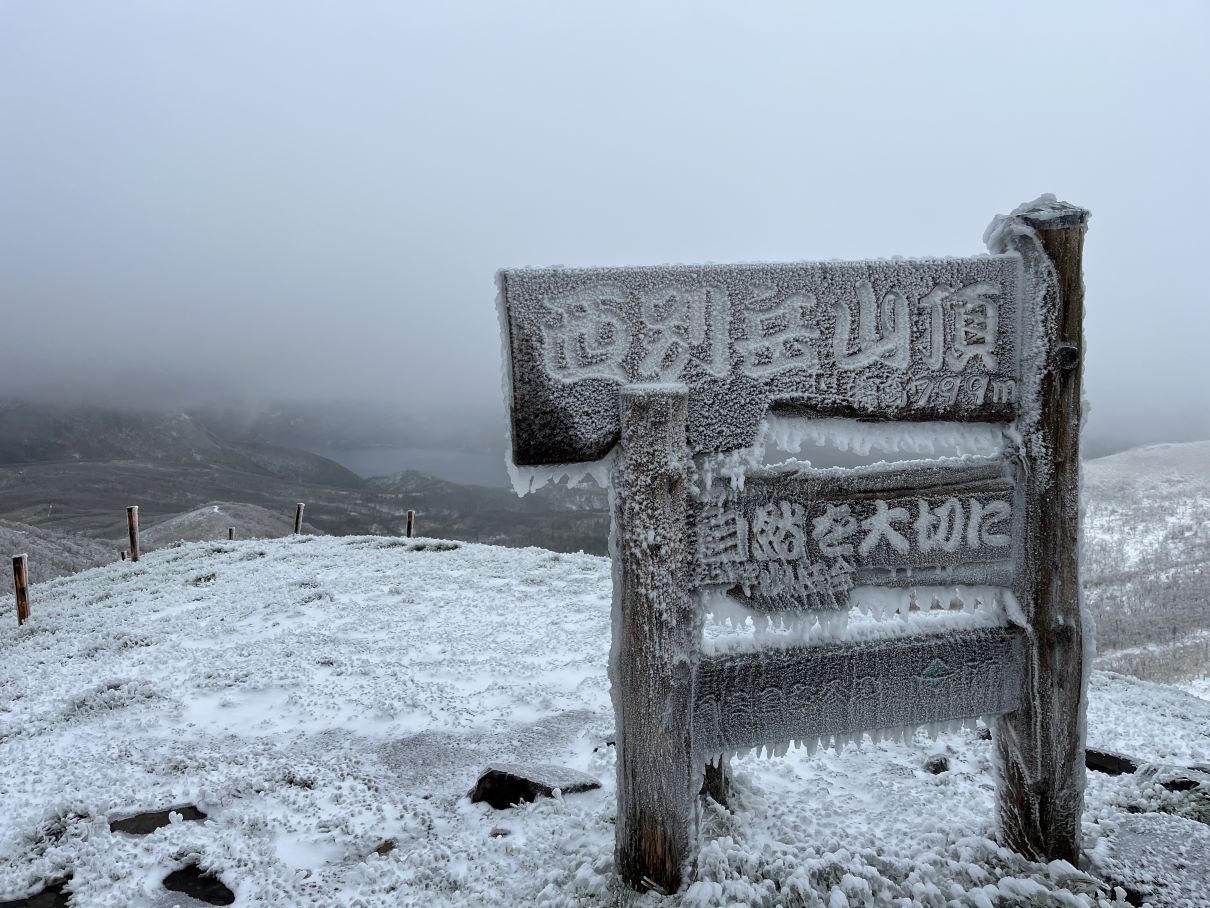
<point x="212" y="520"/>
<point x="1147" y="559"/>
<point x="51" y="553"/>
<point x="318" y="696"/>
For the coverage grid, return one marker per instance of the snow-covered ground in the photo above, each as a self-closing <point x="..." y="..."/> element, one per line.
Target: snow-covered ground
<point x="319" y="696"/>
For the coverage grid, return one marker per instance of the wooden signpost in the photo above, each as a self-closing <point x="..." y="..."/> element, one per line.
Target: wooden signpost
<point x="675" y="366"/>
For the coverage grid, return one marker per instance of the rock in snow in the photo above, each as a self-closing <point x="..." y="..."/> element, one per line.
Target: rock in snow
<point x="505" y="785"/>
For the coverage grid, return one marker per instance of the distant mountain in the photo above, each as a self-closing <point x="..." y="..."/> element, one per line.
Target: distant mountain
<point x="300" y="466"/>
<point x="36" y="433"/>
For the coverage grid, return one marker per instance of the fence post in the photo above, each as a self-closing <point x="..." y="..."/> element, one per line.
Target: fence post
<point x="132" y="525"/>
<point x="230" y="532"/>
<point x="656" y="634"/>
<point x="298" y="512"/>
<point x="1040" y="747"/>
<point x="411" y="519"/>
<point x="21" y="585"/>
<point x="123" y="554"/>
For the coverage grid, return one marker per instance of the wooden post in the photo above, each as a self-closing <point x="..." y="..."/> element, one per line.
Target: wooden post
<point x="21" y="585"/>
<point x="123" y="554"/>
<point x="411" y="519"/>
<point x="230" y="532"/>
<point x="298" y="512"/>
<point x="1040" y="747"/>
<point x="132" y="525"/>
<point x="656" y="635"/>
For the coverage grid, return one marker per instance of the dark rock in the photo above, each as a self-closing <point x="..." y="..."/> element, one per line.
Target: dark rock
<point x="386" y="848"/>
<point x="504" y="785"/>
<point x="498" y="832"/>
<point x="1174" y="778"/>
<point x="937" y="764"/>
<point x="147" y="823"/>
<point x="204" y="887"/>
<point x="983" y="733"/>
<point x="1108" y="762"/>
<point x="52" y="896"/>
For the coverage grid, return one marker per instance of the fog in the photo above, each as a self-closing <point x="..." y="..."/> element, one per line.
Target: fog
<point x="279" y="200"/>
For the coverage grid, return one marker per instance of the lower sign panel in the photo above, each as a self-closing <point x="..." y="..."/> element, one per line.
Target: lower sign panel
<point x="745" y="700"/>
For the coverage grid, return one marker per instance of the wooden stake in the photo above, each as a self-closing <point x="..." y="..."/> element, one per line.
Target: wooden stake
<point x="132" y="524"/>
<point x="123" y="554"/>
<point x="21" y="585"/>
<point x="230" y="532"/>
<point x="411" y="518"/>
<point x="298" y="511"/>
<point x="1040" y="747"/>
<point x="656" y="633"/>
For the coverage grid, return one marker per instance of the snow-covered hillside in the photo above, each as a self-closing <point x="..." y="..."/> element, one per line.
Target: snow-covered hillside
<point x="325" y="699"/>
<point x="1147" y="559"/>
<point x="51" y="553"/>
<point x="212" y="520"/>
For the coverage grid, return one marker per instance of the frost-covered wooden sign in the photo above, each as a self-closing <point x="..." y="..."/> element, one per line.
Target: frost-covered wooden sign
<point x="928" y="339"/>
<point x="678" y="370"/>
<point x="800" y="540"/>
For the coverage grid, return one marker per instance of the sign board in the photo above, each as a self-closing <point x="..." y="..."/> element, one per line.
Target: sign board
<point x="932" y="339"/>
<point x="793" y="540"/>
<point x="667" y="364"/>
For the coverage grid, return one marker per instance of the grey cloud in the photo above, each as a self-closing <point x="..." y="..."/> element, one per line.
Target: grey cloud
<point x="283" y="200"/>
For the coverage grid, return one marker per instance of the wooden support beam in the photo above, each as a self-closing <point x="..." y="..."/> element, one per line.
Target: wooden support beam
<point x="21" y="586"/>
<point x="1040" y="747"/>
<point x="230" y="532"/>
<point x="298" y="514"/>
<point x="656" y="635"/>
<point x="410" y="524"/>
<point x="132" y="526"/>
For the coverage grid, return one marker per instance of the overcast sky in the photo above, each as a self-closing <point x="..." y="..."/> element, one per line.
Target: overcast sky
<point x="289" y="199"/>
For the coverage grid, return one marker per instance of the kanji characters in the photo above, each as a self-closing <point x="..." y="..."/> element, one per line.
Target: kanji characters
<point x="976" y="323"/>
<point x="586" y="335"/>
<point x="879" y="526"/>
<point x="777" y="531"/>
<point x="883" y="330"/>
<point x="778" y="335"/>
<point x="676" y="318"/>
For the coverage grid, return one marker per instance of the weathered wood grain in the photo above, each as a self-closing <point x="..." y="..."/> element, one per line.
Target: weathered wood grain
<point x="132" y="529"/>
<point x="1040" y="747"/>
<point x="748" y="699"/>
<point x="656" y="635"/>
<point x="21" y="587"/>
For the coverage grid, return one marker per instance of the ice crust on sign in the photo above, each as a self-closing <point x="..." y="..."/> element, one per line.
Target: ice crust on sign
<point x="874" y="613"/>
<point x="849" y="688"/>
